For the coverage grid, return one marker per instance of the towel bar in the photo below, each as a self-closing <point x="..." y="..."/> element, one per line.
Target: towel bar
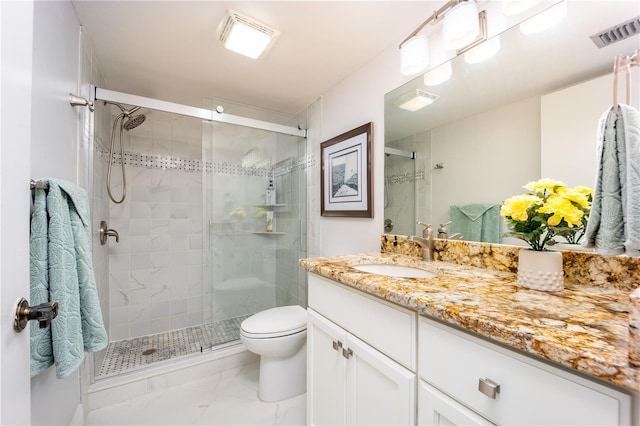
<point x="38" y="184"/>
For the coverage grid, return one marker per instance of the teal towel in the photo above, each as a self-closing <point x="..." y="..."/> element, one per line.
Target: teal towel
<point x="476" y="222"/>
<point x="61" y="271"/>
<point x="614" y="221"/>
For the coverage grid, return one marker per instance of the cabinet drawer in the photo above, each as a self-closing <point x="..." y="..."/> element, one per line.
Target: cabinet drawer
<point x="531" y="392"/>
<point x="388" y="328"/>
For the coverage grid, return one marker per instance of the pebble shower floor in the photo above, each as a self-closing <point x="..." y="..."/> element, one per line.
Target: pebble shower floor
<point x="131" y="354"/>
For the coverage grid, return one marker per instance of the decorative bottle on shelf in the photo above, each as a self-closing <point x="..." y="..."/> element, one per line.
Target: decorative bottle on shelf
<point x="270" y="195"/>
<point x="269" y="221"/>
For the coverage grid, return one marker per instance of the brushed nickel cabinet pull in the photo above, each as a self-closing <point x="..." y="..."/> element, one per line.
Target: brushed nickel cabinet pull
<point x="489" y="387"/>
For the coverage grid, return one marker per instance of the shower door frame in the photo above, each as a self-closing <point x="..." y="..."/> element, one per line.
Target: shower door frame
<point x="202" y="113"/>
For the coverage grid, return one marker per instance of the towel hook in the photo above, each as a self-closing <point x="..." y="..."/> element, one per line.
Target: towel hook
<point x="105" y="233"/>
<point x="623" y="63"/>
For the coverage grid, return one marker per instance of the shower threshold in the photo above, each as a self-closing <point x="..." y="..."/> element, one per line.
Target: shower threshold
<point x="123" y="356"/>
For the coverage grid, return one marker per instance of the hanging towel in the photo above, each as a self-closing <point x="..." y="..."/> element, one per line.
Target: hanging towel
<point x="476" y="222"/>
<point x="614" y="221"/>
<point x="61" y="271"/>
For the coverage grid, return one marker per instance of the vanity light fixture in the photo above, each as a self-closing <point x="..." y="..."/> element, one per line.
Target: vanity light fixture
<point x="516" y="7"/>
<point x="438" y="75"/>
<point x="415" y="100"/>
<point x="483" y="51"/>
<point x="414" y="55"/>
<point x="544" y="20"/>
<point x="461" y="25"/>
<point x="246" y="36"/>
<point x="463" y="29"/>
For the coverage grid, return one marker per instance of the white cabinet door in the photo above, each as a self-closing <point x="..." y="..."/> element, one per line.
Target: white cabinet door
<point x="325" y="372"/>
<point x="437" y="409"/>
<point x="379" y="390"/>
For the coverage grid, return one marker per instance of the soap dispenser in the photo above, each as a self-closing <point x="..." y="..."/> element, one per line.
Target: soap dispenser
<point x="270" y="195"/>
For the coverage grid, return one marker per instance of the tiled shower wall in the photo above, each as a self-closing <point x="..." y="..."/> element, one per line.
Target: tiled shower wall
<point x="156" y="268"/>
<point x="188" y="256"/>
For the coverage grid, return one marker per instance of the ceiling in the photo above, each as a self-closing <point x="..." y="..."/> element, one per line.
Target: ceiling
<point x="169" y="50"/>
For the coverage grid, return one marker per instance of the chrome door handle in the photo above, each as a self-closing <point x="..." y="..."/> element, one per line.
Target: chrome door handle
<point x="337" y="345"/>
<point x="489" y="387"/>
<point x="346" y="352"/>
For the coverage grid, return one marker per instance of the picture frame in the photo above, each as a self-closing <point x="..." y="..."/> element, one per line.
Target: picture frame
<point x="346" y="187"/>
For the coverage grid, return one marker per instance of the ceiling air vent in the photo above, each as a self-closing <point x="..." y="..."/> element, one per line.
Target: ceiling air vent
<point x="617" y="33"/>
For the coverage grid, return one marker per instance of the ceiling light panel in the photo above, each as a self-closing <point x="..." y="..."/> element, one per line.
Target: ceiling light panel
<point x="246" y="36"/>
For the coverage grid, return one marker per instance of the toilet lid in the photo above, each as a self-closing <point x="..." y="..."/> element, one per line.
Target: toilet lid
<point x="283" y="320"/>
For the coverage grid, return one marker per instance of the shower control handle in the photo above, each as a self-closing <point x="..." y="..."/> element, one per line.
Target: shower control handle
<point x="106" y="233"/>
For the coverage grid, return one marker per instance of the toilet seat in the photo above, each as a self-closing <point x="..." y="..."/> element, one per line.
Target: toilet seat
<point x="275" y="322"/>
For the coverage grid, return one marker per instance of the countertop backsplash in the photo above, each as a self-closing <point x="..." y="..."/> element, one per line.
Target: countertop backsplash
<point x="619" y="272"/>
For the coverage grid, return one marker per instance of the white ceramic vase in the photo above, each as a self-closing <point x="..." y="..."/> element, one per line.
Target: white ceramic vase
<point x="540" y="270"/>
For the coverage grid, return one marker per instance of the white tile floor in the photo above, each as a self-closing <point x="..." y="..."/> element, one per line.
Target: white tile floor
<point x="228" y="398"/>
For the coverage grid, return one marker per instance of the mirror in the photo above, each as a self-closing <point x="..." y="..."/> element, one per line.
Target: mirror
<point x="529" y="112"/>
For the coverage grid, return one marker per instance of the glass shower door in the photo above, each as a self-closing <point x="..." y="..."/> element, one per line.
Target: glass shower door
<point x="251" y="266"/>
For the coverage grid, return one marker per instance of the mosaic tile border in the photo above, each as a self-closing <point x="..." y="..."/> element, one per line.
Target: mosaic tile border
<point x="132" y="354"/>
<point x="167" y="162"/>
<point x="406" y="177"/>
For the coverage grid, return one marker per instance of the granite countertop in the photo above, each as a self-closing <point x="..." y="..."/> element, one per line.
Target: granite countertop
<point x="582" y="327"/>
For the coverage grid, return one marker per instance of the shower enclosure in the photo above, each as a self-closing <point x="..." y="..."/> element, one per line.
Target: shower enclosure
<point x="195" y="257"/>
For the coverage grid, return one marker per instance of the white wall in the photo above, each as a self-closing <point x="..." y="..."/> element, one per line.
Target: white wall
<point x="356" y="100"/>
<point x="478" y="154"/>
<point x="570" y="127"/>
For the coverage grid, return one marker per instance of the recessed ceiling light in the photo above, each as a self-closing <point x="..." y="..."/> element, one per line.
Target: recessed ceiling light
<point x="246" y="36"/>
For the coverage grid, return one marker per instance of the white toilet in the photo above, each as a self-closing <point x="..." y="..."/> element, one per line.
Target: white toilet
<point x="279" y="336"/>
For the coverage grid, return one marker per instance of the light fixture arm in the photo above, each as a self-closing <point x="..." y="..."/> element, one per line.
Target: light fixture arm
<point x="482" y="37"/>
<point x="433" y="18"/>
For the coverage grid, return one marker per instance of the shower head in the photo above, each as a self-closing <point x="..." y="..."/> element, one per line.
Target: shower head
<point x="133" y="122"/>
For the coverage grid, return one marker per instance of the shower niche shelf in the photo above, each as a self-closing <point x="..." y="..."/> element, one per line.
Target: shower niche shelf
<point x="270" y="206"/>
<point x="273" y="208"/>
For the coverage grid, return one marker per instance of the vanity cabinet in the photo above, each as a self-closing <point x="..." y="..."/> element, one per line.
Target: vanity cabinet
<point x="461" y="374"/>
<point x="373" y="362"/>
<point x="350" y="380"/>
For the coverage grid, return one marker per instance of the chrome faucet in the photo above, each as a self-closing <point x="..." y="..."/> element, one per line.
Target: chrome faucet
<point x="426" y="241"/>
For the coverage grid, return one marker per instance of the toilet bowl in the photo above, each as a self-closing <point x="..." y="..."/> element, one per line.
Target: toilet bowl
<point x="279" y="336"/>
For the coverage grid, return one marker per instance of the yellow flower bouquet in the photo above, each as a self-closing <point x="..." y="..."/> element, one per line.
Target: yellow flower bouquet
<point x="549" y="209"/>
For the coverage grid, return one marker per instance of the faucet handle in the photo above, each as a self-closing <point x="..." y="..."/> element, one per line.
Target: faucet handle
<point x="426" y="233"/>
<point x="442" y="230"/>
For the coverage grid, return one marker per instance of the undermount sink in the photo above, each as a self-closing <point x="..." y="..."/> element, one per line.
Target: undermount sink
<point x="394" y="270"/>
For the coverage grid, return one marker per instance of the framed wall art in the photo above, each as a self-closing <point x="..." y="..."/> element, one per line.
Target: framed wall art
<point x="345" y="167"/>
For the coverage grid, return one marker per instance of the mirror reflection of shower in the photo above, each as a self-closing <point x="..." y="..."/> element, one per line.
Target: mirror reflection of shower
<point x="131" y="122"/>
